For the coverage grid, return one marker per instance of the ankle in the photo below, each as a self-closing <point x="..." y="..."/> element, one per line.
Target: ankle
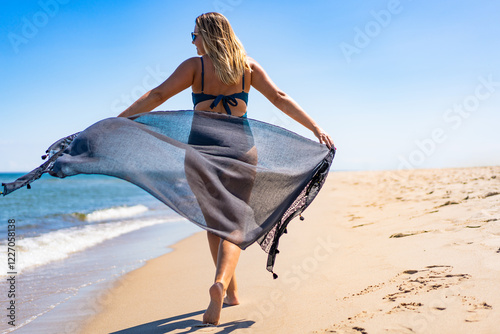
<point x="232" y="292"/>
<point x="217" y="287"/>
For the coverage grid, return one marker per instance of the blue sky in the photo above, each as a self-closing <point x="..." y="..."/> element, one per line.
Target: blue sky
<point x="397" y="84"/>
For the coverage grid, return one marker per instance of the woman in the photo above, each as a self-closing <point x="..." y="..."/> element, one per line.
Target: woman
<point x="221" y="79"/>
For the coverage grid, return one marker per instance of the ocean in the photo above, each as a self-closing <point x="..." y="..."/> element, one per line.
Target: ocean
<point x="75" y="237"/>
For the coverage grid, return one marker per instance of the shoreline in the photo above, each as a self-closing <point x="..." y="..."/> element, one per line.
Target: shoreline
<point x="139" y="279"/>
<point x="416" y="252"/>
<point x="59" y="296"/>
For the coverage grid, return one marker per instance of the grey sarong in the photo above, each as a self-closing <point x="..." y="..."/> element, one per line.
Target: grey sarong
<point x="239" y="178"/>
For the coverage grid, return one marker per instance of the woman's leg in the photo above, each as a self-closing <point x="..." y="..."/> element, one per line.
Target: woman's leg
<point x="231" y="297"/>
<point x="227" y="259"/>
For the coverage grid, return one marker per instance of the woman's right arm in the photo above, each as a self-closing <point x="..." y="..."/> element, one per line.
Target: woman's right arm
<point x="263" y="83"/>
<point x="181" y="79"/>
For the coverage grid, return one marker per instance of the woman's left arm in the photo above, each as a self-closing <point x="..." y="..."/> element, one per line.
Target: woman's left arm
<point x="181" y="79"/>
<point x="263" y="83"/>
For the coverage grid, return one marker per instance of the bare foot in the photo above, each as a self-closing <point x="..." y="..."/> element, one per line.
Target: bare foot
<point x="231" y="299"/>
<point x="212" y="314"/>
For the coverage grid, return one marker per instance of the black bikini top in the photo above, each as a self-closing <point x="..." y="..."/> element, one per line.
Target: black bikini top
<point x="226" y="99"/>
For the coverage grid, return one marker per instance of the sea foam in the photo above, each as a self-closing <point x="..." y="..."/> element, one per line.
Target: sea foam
<point x="112" y="213"/>
<point x="58" y="245"/>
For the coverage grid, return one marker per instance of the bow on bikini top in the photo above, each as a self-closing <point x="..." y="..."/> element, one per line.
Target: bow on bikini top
<point x="225" y="99"/>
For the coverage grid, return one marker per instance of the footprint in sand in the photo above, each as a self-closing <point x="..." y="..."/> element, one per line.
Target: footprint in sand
<point x="425" y="280"/>
<point x="476" y="310"/>
<point x="406" y="292"/>
<point x="348" y="330"/>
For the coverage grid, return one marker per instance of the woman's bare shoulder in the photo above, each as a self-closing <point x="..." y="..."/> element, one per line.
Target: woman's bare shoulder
<point x="193" y="61"/>
<point x="252" y="62"/>
<point x="255" y="67"/>
<point x="189" y="65"/>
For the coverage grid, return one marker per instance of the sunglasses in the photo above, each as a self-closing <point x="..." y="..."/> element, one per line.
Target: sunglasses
<point x="193" y="35"/>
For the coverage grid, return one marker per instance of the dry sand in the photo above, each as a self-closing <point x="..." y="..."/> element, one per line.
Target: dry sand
<point x="379" y="252"/>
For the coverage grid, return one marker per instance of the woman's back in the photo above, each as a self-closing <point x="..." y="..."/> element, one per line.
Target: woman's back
<point x="206" y="82"/>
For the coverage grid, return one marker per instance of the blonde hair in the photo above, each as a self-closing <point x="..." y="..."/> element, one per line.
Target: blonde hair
<point x="222" y="47"/>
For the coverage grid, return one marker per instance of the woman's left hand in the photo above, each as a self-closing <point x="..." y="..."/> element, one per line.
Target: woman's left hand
<point x="324" y="138"/>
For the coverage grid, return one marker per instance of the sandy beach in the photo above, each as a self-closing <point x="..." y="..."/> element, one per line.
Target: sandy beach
<point x="378" y="252"/>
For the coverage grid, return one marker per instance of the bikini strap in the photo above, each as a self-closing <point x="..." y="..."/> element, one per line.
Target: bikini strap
<point x="202" y="75"/>
<point x="243" y="82"/>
